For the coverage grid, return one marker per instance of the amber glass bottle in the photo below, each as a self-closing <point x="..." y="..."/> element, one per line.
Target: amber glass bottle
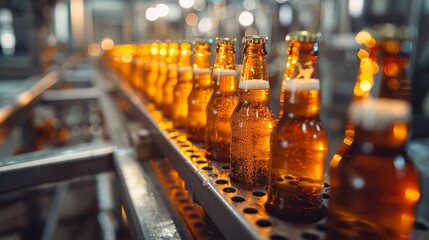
<point x="137" y="68"/>
<point x="153" y="72"/>
<point x="145" y="58"/>
<point x="222" y="102"/>
<point x="299" y="142"/>
<point x="171" y="81"/>
<point x="374" y="188"/>
<point x="201" y="91"/>
<point x="252" y="119"/>
<point x="183" y="87"/>
<point x="162" y="73"/>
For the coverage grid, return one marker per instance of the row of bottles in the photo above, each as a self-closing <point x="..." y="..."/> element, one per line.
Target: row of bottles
<point x="374" y="186"/>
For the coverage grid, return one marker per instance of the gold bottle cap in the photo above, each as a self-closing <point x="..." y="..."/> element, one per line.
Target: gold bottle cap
<point x="303" y="36"/>
<point x="254" y="39"/>
<point x="226" y="40"/>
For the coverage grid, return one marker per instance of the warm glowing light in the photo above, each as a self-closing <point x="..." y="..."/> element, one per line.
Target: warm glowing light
<point x="126" y="58"/>
<point x="285" y="15"/>
<point x="362" y="37"/>
<point x="205" y="25"/>
<point x="365" y="85"/>
<point x="186" y="3"/>
<point x="412" y="195"/>
<point x="391" y="69"/>
<point x="400" y="131"/>
<point x="8" y="40"/>
<point x="151" y="14"/>
<point x="335" y="161"/>
<point x="246" y="18"/>
<point x="191" y="19"/>
<point x="94" y="49"/>
<point x="107" y="43"/>
<point x="362" y="54"/>
<point x="393" y="84"/>
<point x="349" y="140"/>
<point x="162" y="10"/>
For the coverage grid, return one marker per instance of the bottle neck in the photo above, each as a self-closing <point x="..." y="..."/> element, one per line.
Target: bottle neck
<point x="202" y="56"/>
<point x="225" y="58"/>
<point x="254" y="62"/>
<point x="301" y="86"/>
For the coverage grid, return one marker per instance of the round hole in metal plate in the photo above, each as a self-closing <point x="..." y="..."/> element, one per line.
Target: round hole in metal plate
<point x="179" y="194"/>
<point x="264" y="223"/>
<point x="183" y="200"/>
<point x="174" y="187"/>
<point x="195" y="156"/>
<point x="250" y="210"/>
<point x="326" y="185"/>
<point x="238" y="199"/>
<point x="259" y="193"/>
<point x="310" y="236"/>
<point x="207" y="168"/>
<point x="226" y="167"/>
<point x="200" y="224"/>
<point x="221" y="181"/>
<point x="420" y="226"/>
<point x="184" y="145"/>
<point x="201" y="161"/>
<point x="326" y="196"/>
<point x="229" y="189"/>
<point x="321" y="227"/>
<point x="278" y="236"/>
<point x="194" y="216"/>
<point x="190" y="151"/>
<point x="188" y="208"/>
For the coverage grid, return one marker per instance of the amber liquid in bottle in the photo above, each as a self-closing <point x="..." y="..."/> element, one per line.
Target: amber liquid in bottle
<point x="299" y="142"/>
<point x="375" y="190"/>
<point x="222" y="102"/>
<point x="153" y="72"/>
<point x="183" y="87"/>
<point x="252" y="119"/>
<point x="162" y="74"/>
<point x="201" y="92"/>
<point x="171" y="81"/>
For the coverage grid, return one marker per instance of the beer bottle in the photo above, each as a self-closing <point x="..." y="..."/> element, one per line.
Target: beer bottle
<point x="374" y="188"/>
<point x="183" y="87"/>
<point x="201" y="91"/>
<point x="137" y="67"/>
<point x="171" y="81"/>
<point x="146" y="61"/>
<point x="252" y="119"/>
<point x="153" y="72"/>
<point x="299" y="142"/>
<point x="162" y="73"/>
<point x="222" y="102"/>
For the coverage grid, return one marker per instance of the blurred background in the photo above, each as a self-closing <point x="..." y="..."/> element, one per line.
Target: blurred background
<point x="37" y="35"/>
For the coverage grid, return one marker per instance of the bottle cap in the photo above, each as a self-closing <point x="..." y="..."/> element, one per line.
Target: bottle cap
<point x="226" y="40"/>
<point x="254" y="39"/>
<point x="303" y="36"/>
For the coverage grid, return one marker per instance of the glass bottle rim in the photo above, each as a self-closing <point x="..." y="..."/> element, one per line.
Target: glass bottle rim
<point x="303" y="36"/>
<point x="226" y="40"/>
<point x="254" y="39"/>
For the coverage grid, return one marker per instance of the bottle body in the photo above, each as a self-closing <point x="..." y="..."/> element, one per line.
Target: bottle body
<point x="162" y="74"/>
<point x="183" y="87"/>
<point x="376" y="188"/>
<point x="251" y="124"/>
<point x="219" y="111"/>
<point x="168" y="90"/>
<point x="153" y="72"/>
<point x="299" y="146"/>
<point x="198" y="98"/>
